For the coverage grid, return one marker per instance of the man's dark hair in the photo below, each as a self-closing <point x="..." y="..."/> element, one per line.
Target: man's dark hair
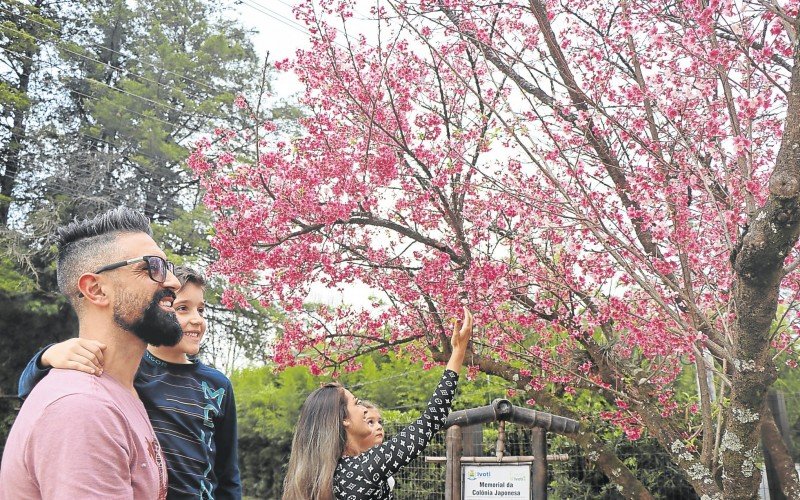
<point x="87" y="244"/>
<point x="186" y="274"/>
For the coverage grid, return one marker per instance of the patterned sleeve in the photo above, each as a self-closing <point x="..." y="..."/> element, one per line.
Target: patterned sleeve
<point x="385" y="460"/>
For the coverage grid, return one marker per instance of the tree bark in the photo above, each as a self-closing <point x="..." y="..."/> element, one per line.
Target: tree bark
<point x="758" y="264"/>
<point x="10" y="155"/>
<point x="691" y="465"/>
<point x="610" y="465"/>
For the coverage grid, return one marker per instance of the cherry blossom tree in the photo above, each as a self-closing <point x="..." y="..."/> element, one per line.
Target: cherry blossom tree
<point x="611" y="186"/>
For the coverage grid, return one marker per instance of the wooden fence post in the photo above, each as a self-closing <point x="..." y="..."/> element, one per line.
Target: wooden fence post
<point x="452" y="486"/>
<point x="539" y="476"/>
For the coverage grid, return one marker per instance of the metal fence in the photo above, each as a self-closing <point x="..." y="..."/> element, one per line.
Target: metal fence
<point x="575" y="477"/>
<point x="424" y="480"/>
<point x="421" y="480"/>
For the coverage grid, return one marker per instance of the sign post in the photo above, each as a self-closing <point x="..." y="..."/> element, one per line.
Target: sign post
<point x="492" y="482"/>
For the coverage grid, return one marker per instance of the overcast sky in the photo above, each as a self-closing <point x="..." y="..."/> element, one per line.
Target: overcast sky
<point x="277" y="32"/>
<point x="280" y="34"/>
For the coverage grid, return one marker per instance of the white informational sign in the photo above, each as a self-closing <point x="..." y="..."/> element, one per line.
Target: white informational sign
<point x="481" y="482"/>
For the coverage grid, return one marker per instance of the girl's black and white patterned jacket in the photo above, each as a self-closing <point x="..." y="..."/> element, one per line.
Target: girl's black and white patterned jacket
<point x="365" y="476"/>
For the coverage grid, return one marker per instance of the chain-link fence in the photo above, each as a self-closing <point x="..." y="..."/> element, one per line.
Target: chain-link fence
<point x="573" y="478"/>
<point x="421" y="480"/>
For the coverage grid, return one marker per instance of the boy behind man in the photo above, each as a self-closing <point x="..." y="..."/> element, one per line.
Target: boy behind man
<point x="190" y="405"/>
<point x="80" y="436"/>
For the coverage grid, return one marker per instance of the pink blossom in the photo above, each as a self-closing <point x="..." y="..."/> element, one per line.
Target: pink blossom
<point x="589" y="226"/>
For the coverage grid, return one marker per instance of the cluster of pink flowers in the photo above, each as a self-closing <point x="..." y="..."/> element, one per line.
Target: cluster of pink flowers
<point x="433" y="177"/>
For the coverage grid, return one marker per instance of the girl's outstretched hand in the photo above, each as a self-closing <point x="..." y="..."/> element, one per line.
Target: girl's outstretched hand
<point x="462" y="333"/>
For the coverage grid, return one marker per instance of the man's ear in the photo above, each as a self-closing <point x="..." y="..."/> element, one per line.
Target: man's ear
<point x="93" y="289"/>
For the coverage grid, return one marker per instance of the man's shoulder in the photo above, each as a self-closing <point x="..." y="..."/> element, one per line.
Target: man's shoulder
<point x="60" y="383"/>
<point x="62" y="400"/>
<point x="87" y="407"/>
<point x="71" y="387"/>
<point x="65" y="388"/>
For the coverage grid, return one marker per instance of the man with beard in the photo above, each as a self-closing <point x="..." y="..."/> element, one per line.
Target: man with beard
<point x="190" y="404"/>
<point x="84" y="436"/>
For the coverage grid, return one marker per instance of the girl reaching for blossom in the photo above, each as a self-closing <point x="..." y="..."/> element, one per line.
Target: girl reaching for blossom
<point x="328" y="461"/>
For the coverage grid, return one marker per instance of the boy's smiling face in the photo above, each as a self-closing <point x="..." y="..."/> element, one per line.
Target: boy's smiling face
<point x="189" y="307"/>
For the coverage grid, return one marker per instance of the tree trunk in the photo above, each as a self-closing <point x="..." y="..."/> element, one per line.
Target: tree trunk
<point x="10" y="154"/>
<point x="758" y="264"/>
<point x="694" y="470"/>
<point x="607" y="461"/>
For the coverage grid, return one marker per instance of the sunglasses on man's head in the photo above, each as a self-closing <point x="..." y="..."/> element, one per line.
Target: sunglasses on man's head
<point x="157" y="267"/>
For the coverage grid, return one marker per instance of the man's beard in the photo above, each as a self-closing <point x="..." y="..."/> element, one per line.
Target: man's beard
<point x="155" y="326"/>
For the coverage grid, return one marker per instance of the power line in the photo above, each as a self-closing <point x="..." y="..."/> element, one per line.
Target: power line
<point x="82" y="187"/>
<point x="131" y="148"/>
<point x="278" y="17"/>
<point x="284" y="2"/>
<point x="91" y="59"/>
<point x="95" y="98"/>
<point x="291" y="23"/>
<point x="137" y="150"/>
<point x="93" y="80"/>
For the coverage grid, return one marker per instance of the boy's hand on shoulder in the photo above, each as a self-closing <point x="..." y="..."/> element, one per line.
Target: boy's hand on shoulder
<point x="84" y="355"/>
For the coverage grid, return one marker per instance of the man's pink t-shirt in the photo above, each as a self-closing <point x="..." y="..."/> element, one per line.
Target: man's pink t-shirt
<point x="82" y="436"/>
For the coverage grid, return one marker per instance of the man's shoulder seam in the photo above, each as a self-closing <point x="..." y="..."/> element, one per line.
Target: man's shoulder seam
<point x="85" y="397"/>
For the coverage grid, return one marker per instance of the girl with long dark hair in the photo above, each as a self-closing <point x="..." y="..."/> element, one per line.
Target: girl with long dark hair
<point x="327" y="462"/>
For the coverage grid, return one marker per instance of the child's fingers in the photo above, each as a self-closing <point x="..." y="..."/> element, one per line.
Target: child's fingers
<point x="466" y="322"/>
<point x="462" y="328"/>
<point x="91" y="352"/>
<point x="457" y="326"/>
<point x="83" y="360"/>
<point x="95" y="346"/>
<point x="81" y="367"/>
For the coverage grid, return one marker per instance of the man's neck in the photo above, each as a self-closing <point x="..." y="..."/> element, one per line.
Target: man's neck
<point x="122" y="355"/>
